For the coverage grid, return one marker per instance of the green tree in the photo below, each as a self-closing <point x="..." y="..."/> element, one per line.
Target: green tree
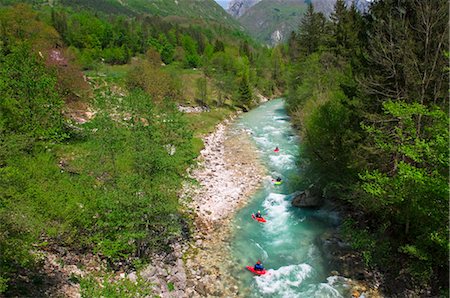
<point x="202" y="91"/>
<point x="245" y="94"/>
<point x="413" y="185"/>
<point x="311" y="31"/>
<point x="191" y="55"/>
<point x="30" y="105"/>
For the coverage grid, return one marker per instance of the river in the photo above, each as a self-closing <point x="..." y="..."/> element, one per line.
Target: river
<point x="286" y="244"/>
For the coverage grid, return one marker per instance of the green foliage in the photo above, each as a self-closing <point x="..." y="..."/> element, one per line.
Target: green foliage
<point x="245" y="94"/>
<point x="148" y="76"/>
<point x="170" y="286"/>
<point x="191" y="55"/>
<point x="116" y="192"/>
<point x="21" y="24"/>
<point x="109" y="288"/>
<point x="312" y="31"/>
<point x="30" y="108"/>
<point x="361" y="240"/>
<point x="374" y="124"/>
<point x="109" y="186"/>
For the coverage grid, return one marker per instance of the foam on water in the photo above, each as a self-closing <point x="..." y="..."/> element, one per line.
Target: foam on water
<point x="286" y="242"/>
<point x="283" y="281"/>
<point x="277" y="212"/>
<point x="282" y="161"/>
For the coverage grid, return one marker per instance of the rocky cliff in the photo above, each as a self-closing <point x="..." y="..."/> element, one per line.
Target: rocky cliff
<point x="237" y="8"/>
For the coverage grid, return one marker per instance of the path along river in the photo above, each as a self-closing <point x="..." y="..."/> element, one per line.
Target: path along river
<point x="286" y="244"/>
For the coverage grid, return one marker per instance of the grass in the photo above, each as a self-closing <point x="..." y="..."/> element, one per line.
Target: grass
<point x="204" y="123"/>
<point x="112" y="73"/>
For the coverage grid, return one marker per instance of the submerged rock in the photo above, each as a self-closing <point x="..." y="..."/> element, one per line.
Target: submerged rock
<point x="341" y="257"/>
<point x="307" y="199"/>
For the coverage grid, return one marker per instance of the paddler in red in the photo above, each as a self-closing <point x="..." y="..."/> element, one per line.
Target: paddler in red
<point x="258" y="266"/>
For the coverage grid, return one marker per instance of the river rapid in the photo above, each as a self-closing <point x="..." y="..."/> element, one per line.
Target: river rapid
<point x="287" y="243"/>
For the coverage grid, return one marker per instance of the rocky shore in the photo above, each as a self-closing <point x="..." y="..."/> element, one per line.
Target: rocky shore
<point x="228" y="173"/>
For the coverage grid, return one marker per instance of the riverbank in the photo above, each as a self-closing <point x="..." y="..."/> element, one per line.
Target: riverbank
<point x="229" y="172"/>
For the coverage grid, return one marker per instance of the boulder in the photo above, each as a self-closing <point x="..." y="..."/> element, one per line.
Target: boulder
<point x="341" y="257"/>
<point x="148" y="272"/>
<point x="179" y="280"/>
<point x="307" y="199"/>
<point x="201" y="289"/>
<point x="132" y="277"/>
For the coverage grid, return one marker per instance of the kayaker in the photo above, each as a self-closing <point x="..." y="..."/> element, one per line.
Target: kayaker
<point x="258" y="266"/>
<point x="278" y="179"/>
<point x="276" y="149"/>
<point x="258" y="214"/>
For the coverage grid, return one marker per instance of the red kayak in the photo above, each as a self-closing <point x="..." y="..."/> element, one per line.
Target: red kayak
<point x="260" y="219"/>
<point x="276" y="150"/>
<point x="262" y="272"/>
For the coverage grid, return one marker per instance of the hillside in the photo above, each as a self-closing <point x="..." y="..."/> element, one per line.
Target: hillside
<point x="206" y="10"/>
<point x="275" y="19"/>
<point x="238" y="7"/>
<point x="271" y="21"/>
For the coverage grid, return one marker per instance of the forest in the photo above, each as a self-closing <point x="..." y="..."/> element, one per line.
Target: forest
<point x="369" y="95"/>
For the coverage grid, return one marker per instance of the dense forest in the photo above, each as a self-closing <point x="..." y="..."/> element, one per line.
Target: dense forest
<point x="369" y="94"/>
<point x="87" y="185"/>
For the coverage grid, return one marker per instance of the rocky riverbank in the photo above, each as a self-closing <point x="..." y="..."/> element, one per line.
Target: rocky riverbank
<point x="229" y="172"/>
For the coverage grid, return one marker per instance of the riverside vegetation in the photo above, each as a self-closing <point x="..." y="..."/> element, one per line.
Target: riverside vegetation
<point x="93" y="150"/>
<point x="94" y="161"/>
<point x="369" y="95"/>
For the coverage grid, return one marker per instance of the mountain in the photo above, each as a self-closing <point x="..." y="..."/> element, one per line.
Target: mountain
<point x="327" y="6"/>
<point x="271" y="21"/>
<point x="178" y="10"/>
<point x="238" y="7"/>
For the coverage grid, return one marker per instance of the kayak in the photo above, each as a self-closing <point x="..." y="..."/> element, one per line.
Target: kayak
<point x="260" y="219"/>
<point x="278" y="182"/>
<point x="276" y="150"/>
<point x="262" y="272"/>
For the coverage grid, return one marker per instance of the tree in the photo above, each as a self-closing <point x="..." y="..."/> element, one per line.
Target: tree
<point x="202" y="91"/>
<point x="59" y="22"/>
<point x="21" y="24"/>
<point x="192" y="59"/>
<point x="277" y="67"/>
<point x="311" y="31"/>
<point x="219" y="46"/>
<point x="29" y="103"/>
<point x="409" y="190"/>
<point x="406" y="52"/>
<point x="245" y="94"/>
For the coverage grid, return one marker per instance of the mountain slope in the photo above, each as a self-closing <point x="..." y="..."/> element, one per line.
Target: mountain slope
<point x="238" y="7"/>
<point x="206" y="10"/>
<point x="327" y="6"/>
<point x="271" y="21"/>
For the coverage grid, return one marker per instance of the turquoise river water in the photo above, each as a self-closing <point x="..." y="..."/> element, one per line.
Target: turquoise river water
<point x="287" y="243"/>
